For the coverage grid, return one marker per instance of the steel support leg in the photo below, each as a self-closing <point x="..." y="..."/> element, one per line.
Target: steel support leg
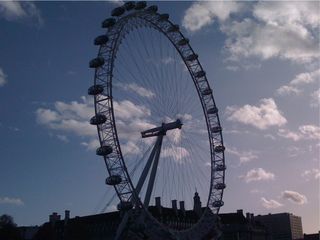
<point x="153" y="173"/>
<point x="146" y="168"/>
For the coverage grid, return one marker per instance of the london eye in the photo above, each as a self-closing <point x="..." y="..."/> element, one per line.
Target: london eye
<point x="157" y="122"/>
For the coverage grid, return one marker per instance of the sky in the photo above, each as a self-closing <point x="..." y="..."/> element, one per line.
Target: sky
<point x="261" y="60"/>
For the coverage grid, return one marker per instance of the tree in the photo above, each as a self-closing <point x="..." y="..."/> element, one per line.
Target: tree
<point x="8" y="229"/>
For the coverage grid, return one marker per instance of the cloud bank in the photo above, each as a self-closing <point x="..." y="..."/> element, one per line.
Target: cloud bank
<point x="270" y="204"/>
<point x="258" y="174"/>
<point x="294" y="197"/>
<point x="262" y="116"/>
<point x="15" y="10"/>
<point x="12" y="201"/>
<point x="285" y="30"/>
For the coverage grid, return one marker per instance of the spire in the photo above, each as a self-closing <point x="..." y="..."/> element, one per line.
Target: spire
<point x="197" y="204"/>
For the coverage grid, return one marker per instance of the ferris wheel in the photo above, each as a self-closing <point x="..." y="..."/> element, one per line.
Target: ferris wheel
<point x="157" y="122"/>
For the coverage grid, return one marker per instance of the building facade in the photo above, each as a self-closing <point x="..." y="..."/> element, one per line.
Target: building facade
<point x="282" y="226"/>
<point x="235" y="226"/>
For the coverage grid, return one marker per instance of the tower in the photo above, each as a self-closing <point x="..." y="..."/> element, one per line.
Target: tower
<point x="197" y="204"/>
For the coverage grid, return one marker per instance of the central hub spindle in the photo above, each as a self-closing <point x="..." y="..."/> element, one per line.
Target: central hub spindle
<point x="161" y="131"/>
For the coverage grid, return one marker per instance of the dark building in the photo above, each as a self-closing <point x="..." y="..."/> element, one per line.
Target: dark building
<point x="28" y="233"/>
<point x="314" y="236"/>
<point x="282" y="226"/>
<point x="235" y="226"/>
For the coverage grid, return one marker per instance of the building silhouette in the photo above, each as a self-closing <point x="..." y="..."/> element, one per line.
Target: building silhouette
<point x="314" y="236"/>
<point x="233" y="226"/>
<point x="282" y="226"/>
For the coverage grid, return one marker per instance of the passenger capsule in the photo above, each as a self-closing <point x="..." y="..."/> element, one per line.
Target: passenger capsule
<point x="183" y="41"/>
<point x="200" y="74"/>
<point x="96" y="62"/>
<point x="218" y="203"/>
<point x="220" y="186"/>
<point x="95" y="90"/>
<point x="219" y="149"/>
<point x="140" y="5"/>
<point x="220" y="167"/>
<point x="153" y="8"/>
<point x="117" y="12"/>
<point x="216" y="129"/>
<point x="207" y="91"/>
<point x="109" y="22"/>
<point x="98" y="119"/>
<point x="104" y="150"/>
<point x="163" y="17"/>
<point x="213" y="110"/>
<point x="129" y="5"/>
<point x="124" y="206"/>
<point x="192" y="57"/>
<point x="173" y="28"/>
<point x="113" y="180"/>
<point x="100" y="40"/>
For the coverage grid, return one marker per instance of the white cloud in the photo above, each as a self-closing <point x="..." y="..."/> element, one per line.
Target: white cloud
<point x="294" y="86"/>
<point x="306" y="78"/>
<point x="279" y="29"/>
<point x="294" y="197"/>
<point x="295" y="13"/>
<point x="244" y="156"/>
<point x="311" y="174"/>
<point x="73" y="118"/>
<point x="287" y="90"/>
<point x="92" y="144"/>
<point x="263" y="116"/>
<point x="3" y="78"/>
<point x="15" y="10"/>
<point x="133" y="87"/>
<point x="127" y="110"/>
<point x="270" y="204"/>
<point x="258" y="174"/>
<point x="201" y="14"/>
<point x="276" y="29"/>
<point x="289" y="134"/>
<point x="305" y="132"/>
<point x="45" y="116"/>
<point x="74" y="109"/>
<point x="310" y="132"/>
<point x="13" y="201"/>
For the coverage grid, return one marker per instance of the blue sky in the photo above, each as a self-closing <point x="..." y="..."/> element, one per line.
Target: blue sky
<point x="262" y="61"/>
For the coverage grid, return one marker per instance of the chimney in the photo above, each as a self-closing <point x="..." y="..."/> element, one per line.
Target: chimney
<point x="174" y="206"/>
<point x="240" y="211"/>
<point x="66" y="215"/>
<point x="54" y="217"/>
<point x="248" y="216"/>
<point x="181" y="203"/>
<point x="158" y="204"/>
